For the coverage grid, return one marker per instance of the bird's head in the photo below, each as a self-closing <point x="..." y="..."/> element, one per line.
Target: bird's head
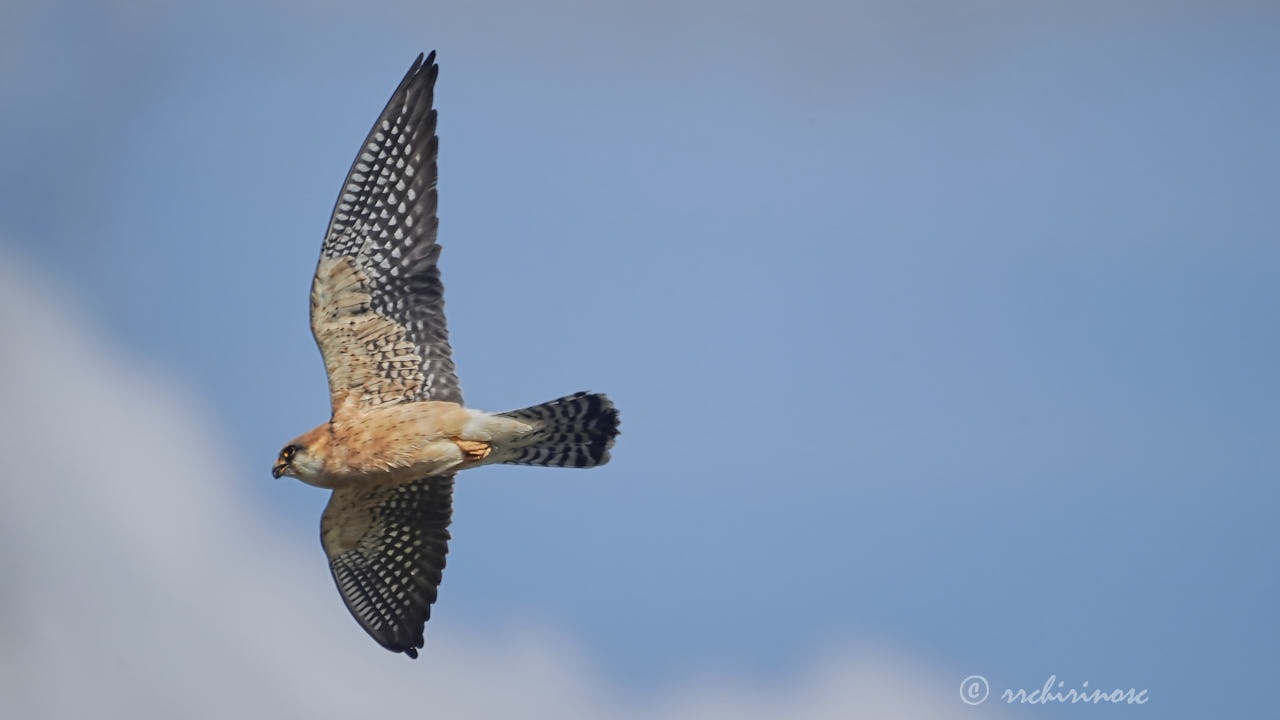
<point x="299" y="459"/>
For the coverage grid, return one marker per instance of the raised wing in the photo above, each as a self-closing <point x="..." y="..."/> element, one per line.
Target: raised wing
<point x="377" y="304"/>
<point x="386" y="547"/>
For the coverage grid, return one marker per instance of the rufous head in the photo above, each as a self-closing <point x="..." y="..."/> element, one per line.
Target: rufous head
<point x="301" y="459"/>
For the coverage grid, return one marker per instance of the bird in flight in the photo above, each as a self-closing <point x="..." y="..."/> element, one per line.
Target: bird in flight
<point x="399" y="431"/>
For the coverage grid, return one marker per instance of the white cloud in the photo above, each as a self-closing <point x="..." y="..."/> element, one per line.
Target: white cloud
<point x="138" y="583"/>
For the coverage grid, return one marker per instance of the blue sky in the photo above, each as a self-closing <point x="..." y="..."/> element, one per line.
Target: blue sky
<point x="944" y="327"/>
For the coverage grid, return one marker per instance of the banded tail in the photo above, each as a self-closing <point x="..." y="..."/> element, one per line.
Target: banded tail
<point x="573" y="431"/>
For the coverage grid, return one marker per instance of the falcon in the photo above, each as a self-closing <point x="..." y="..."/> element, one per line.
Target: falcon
<point x="399" y="432"/>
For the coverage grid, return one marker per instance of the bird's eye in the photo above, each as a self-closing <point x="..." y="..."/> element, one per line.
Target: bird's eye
<point x="288" y="453"/>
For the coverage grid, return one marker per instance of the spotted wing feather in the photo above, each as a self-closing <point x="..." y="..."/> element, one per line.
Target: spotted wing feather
<point x="377" y="303"/>
<point x="386" y="548"/>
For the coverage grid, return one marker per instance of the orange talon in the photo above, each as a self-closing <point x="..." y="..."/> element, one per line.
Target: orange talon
<point x="474" y="450"/>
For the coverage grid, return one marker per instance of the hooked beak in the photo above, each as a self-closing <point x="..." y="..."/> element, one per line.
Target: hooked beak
<point x="277" y="470"/>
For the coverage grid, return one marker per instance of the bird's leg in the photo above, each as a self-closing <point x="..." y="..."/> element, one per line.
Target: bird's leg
<point x="474" y="450"/>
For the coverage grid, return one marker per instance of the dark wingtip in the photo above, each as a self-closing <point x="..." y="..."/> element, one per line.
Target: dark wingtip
<point x="415" y="66"/>
<point x="423" y="64"/>
<point x="411" y="652"/>
<point x="427" y="64"/>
